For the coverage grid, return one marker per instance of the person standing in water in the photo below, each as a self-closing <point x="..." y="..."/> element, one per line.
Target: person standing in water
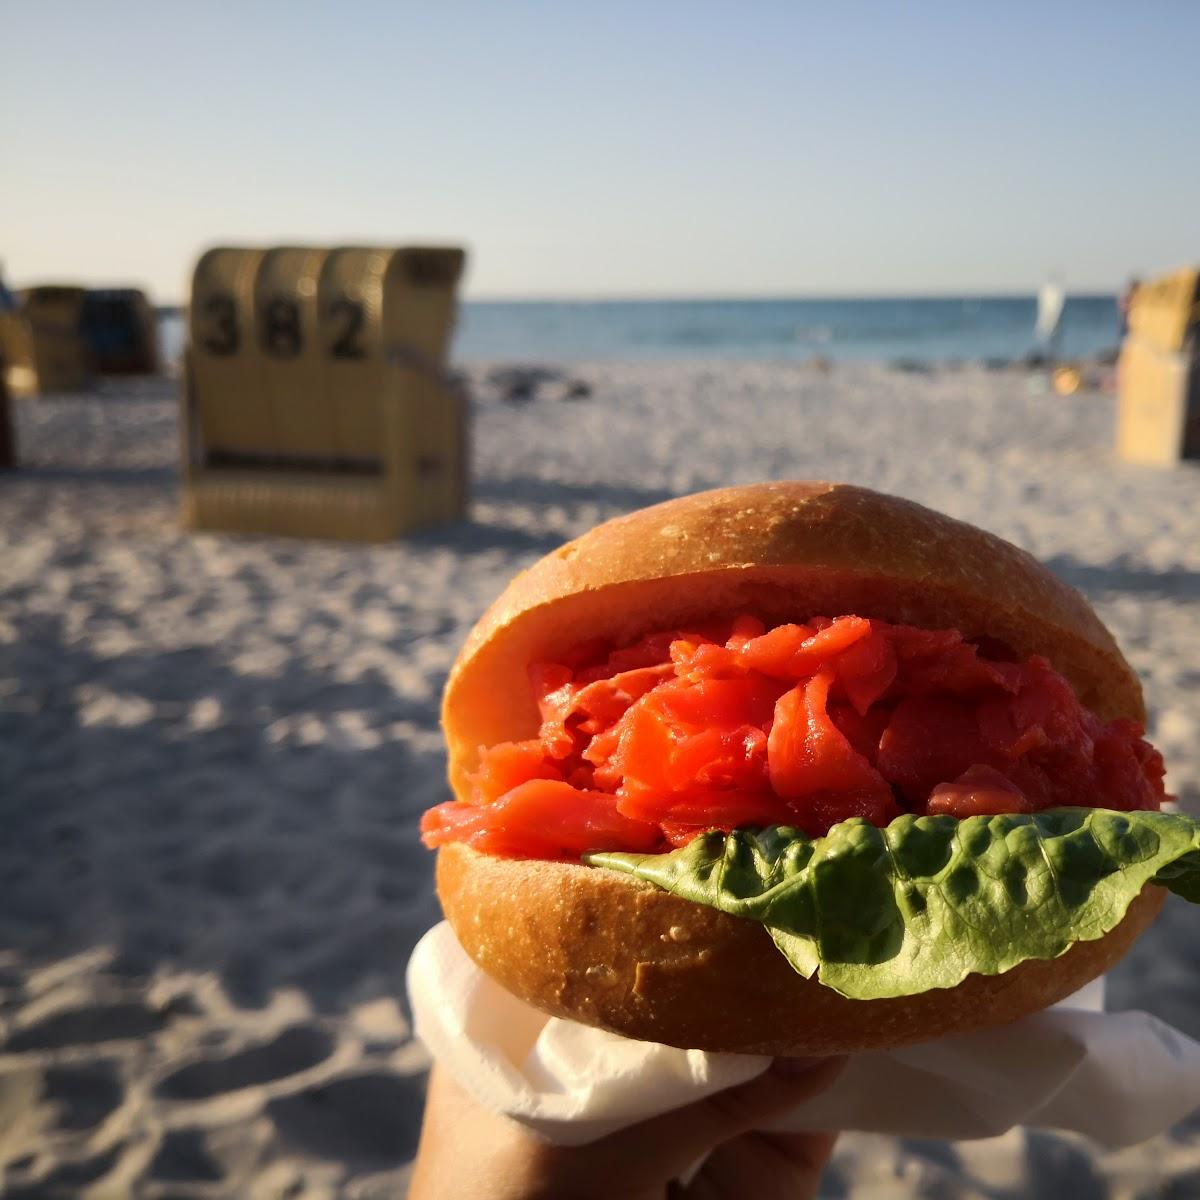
<point x="1125" y="303"/>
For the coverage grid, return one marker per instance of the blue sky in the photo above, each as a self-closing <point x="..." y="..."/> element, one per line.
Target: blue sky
<point x="613" y="148"/>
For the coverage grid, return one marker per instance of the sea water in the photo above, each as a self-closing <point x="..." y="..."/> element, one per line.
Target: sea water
<point x="920" y="330"/>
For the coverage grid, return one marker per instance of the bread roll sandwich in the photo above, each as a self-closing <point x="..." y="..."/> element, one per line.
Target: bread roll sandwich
<point x="798" y="768"/>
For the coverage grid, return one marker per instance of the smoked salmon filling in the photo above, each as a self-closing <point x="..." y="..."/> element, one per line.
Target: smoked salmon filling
<point x="643" y="747"/>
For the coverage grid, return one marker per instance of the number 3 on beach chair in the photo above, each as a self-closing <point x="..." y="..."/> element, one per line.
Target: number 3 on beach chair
<point x="316" y="396"/>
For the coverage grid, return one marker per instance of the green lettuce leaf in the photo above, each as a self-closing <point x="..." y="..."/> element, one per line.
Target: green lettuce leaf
<point x="926" y="901"/>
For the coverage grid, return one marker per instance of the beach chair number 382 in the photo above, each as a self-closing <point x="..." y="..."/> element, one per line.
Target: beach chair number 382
<point x="281" y="332"/>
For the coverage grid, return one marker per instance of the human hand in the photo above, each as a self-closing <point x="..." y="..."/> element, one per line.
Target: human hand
<point x="467" y="1153"/>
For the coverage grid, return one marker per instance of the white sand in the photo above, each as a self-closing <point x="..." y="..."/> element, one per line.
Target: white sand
<point x="213" y="751"/>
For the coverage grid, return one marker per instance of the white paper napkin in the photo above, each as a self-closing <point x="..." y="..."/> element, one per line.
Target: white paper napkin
<point x="1117" y="1077"/>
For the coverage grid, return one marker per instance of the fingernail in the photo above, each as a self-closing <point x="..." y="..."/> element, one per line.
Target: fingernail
<point x="795" y="1068"/>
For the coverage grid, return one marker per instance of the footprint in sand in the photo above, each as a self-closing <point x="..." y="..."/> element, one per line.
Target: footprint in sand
<point x="86" y="1026"/>
<point x="294" y="1050"/>
<point x="68" y="1179"/>
<point x="83" y="1095"/>
<point x="73" y="1098"/>
<point x="371" y="1120"/>
<point x="183" y="1156"/>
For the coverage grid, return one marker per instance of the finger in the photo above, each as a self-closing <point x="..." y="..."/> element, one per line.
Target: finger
<point x="670" y="1144"/>
<point x="808" y="1151"/>
<point x="767" y="1166"/>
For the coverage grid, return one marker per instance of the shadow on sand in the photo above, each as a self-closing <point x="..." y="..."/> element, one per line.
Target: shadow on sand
<point x="1122" y="575"/>
<point x="148" y="477"/>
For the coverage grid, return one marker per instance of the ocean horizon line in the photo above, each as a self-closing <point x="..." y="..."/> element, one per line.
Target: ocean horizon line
<point x="167" y="309"/>
<point x="779" y="298"/>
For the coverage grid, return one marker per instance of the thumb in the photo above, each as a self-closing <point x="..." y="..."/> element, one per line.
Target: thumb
<point x="669" y="1144"/>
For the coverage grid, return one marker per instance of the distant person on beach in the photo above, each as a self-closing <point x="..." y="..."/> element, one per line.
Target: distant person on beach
<point x="467" y="1152"/>
<point x="1125" y="303"/>
<point x="8" y="302"/>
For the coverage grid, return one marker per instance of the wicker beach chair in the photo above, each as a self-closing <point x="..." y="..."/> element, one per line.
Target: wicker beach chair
<point x="57" y="354"/>
<point x="121" y="332"/>
<point x="316" y="400"/>
<point x="1158" y="372"/>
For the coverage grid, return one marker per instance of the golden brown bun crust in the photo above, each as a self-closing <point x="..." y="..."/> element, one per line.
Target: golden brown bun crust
<point x="614" y="952"/>
<point x="784" y="551"/>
